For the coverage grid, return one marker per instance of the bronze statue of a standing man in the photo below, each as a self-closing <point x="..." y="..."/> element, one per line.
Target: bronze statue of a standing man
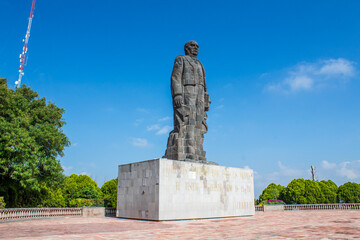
<point x="190" y="102"/>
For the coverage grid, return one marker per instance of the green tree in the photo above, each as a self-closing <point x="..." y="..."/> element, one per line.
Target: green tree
<point x="294" y="193"/>
<point x="52" y="197"/>
<point x="349" y="193"/>
<point x="31" y="140"/>
<point x="272" y="191"/>
<point x="300" y="191"/>
<point x="329" y="190"/>
<point x="80" y="187"/>
<point x="313" y="193"/>
<point x="109" y="190"/>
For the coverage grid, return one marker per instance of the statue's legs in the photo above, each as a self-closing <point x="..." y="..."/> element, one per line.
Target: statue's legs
<point x="186" y="140"/>
<point x="190" y="98"/>
<point x="201" y="129"/>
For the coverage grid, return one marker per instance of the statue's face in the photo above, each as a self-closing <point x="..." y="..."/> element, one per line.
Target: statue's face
<point x="193" y="48"/>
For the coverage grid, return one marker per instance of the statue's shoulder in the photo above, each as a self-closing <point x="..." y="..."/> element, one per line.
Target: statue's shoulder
<point x="179" y="60"/>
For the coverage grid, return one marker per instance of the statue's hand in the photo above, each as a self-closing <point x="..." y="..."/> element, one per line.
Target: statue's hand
<point x="178" y="100"/>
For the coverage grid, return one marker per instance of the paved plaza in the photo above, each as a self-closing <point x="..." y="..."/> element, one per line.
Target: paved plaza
<point x="268" y="225"/>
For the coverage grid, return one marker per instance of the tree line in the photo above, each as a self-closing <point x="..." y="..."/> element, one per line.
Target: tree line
<point x="74" y="191"/>
<point x="305" y="191"/>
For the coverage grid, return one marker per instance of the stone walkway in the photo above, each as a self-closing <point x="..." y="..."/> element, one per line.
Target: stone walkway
<point x="269" y="225"/>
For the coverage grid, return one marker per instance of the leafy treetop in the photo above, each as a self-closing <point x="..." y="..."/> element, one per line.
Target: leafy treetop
<point x="272" y="191"/>
<point x="109" y="190"/>
<point x="81" y="186"/>
<point x="349" y="193"/>
<point x="31" y="140"/>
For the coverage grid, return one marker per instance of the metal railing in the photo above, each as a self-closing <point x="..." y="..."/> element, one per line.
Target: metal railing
<point x="110" y="212"/>
<point x="333" y="206"/>
<point x="31" y="213"/>
<point x="302" y="207"/>
<point x="259" y="208"/>
<point x="13" y="214"/>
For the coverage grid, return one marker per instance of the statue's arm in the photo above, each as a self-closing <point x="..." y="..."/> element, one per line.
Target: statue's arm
<point x="176" y="81"/>
<point x="204" y="77"/>
<point x="207" y="96"/>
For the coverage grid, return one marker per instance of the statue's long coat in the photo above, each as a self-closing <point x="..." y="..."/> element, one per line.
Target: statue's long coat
<point x="186" y="140"/>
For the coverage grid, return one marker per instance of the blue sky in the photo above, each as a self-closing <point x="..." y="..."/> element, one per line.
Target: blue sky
<point x="283" y="77"/>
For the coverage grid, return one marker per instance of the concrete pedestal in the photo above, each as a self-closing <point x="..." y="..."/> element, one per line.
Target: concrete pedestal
<point x="163" y="189"/>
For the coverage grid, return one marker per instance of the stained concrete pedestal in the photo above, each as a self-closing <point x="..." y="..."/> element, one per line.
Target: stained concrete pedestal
<point x="163" y="189"/>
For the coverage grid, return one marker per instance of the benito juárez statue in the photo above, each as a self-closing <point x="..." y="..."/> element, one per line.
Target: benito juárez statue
<point x="190" y="102"/>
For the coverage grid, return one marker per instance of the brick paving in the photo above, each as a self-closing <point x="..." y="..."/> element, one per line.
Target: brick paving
<point x="268" y="225"/>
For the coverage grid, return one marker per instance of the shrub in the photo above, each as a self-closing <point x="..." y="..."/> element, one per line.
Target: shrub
<point x="272" y="202"/>
<point x="82" y="202"/>
<point x="2" y="203"/>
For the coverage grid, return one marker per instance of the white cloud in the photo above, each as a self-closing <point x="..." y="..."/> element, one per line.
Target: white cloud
<point x="67" y="169"/>
<point x="164" y="119"/>
<point x="344" y="171"/>
<point x="164" y="130"/>
<point x="300" y="83"/>
<point x="139" y="142"/>
<point x="153" y="127"/>
<point x="348" y="170"/>
<point x="287" y="171"/>
<point x="327" y="165"/>
<point x="308" y="76"/>
<point x="160" y="130"/>
<point x="283" y="173"/>
<point x="74" y="144"/>
<point x="338" y="66"/>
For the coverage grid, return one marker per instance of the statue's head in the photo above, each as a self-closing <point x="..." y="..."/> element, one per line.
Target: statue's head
<point x="191" y="48"/>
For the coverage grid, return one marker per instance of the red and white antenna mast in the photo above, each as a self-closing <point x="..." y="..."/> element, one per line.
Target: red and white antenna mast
<point x="26" y="40"/>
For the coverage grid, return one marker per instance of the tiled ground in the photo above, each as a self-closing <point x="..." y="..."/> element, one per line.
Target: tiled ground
<point x="270" y="225"/>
